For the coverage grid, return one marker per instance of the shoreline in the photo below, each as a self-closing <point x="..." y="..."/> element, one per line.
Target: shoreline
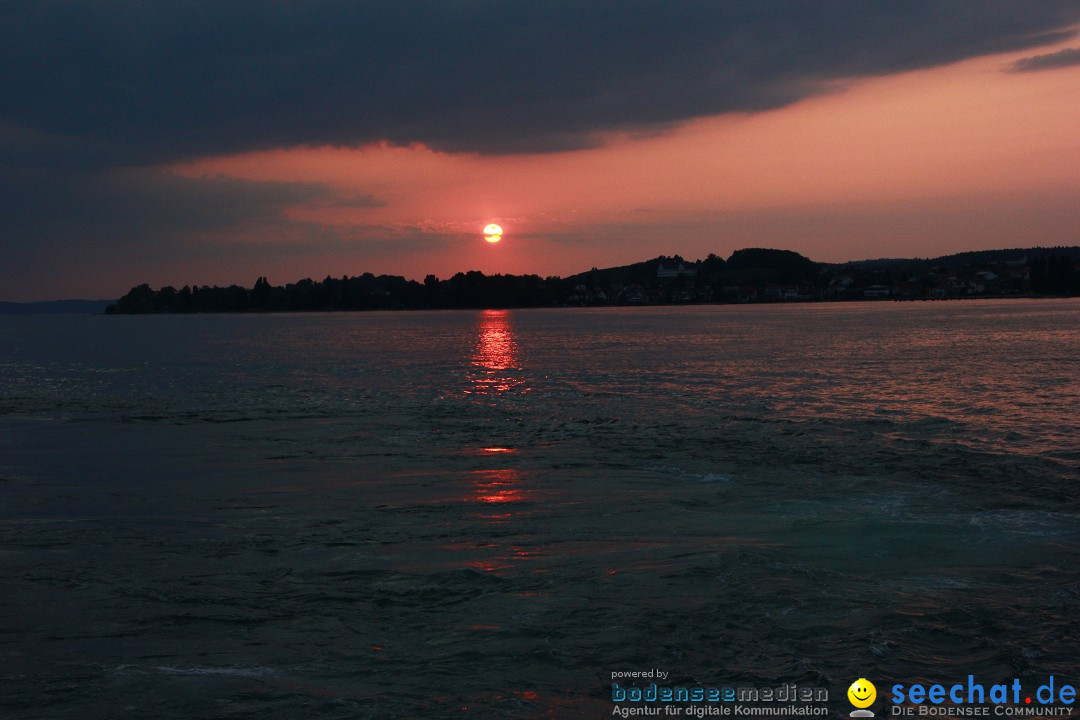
<point x="836" y="301"/>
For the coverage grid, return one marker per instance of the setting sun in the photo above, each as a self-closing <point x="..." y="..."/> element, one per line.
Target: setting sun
<point x="493" y="233"/>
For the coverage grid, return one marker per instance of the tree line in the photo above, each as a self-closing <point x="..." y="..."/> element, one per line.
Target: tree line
<point x="746" y="276"/>
<point x="362" y="292"/>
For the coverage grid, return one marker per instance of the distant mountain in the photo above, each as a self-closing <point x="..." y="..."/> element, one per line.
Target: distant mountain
<point x="55" y="307"/>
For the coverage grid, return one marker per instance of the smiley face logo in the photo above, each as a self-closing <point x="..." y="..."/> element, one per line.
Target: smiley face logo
<point x="862" y="693"/>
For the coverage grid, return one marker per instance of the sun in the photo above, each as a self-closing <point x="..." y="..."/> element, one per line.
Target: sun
<point x="493" y="233"/>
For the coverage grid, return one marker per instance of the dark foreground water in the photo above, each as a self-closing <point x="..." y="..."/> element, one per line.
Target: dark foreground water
<point x="485" y="514"/>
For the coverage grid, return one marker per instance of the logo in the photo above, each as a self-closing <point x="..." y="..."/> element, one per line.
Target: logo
<point x="862" y="694"/>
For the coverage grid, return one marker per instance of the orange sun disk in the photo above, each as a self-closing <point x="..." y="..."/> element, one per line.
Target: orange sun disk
<point x="493" y="233"/>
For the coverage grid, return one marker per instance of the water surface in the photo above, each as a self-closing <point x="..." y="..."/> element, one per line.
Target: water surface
<point x="484" y="514"/>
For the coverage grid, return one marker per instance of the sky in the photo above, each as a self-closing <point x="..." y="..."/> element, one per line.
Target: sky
<point x="216" y="142"/>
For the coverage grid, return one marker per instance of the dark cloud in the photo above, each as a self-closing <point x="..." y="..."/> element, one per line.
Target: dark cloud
<point x="142" y="81"/>
<point x="1051" y="61"/>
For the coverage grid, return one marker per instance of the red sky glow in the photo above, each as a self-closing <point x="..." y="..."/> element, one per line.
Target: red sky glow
<point x="922" y="163"/>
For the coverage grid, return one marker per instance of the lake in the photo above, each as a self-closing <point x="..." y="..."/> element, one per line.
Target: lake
<point x="486" y="514"/>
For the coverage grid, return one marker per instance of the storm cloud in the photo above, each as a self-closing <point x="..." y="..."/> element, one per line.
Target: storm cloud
<point x="134" y="82"/>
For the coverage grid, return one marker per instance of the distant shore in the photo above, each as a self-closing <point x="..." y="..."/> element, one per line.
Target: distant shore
<point x="750" y="276"/>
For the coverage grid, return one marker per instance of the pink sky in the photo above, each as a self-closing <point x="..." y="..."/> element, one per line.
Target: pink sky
<point x="923" y="163"/>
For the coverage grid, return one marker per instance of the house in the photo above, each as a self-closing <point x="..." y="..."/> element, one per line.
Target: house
<point x="633" y="295"/>
<point x="678" y="271"/>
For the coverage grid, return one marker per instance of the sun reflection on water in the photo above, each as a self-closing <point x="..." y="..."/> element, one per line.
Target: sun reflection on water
<point x="497" y="486"/>
<point x="495" y="366"/>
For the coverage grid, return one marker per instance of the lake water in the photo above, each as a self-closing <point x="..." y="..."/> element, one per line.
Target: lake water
<point x="485" y="514"/>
